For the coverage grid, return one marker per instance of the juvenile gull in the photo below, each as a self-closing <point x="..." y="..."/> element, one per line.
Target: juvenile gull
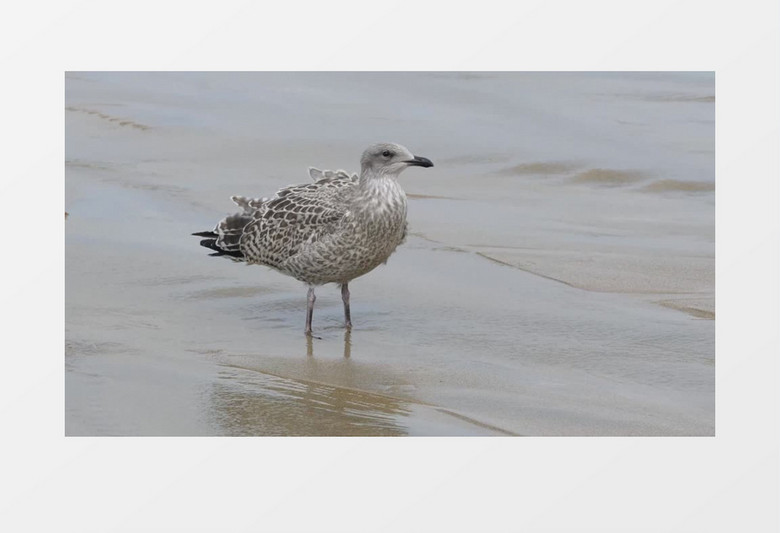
<point x="331" y="231"/>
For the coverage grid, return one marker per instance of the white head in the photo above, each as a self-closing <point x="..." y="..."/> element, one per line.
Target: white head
<point x="389" y="159"/>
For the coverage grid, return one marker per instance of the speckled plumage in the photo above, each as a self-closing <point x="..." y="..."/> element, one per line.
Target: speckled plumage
<point x="334" y="230"/>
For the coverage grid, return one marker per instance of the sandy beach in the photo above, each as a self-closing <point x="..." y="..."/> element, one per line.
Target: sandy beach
<point x="558" y="278"/>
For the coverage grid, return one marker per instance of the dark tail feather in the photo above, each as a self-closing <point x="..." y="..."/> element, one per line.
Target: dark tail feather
<point x="225" y="239"/>
<point x="212" y="244"/>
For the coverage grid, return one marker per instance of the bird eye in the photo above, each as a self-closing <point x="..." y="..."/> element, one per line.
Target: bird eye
<point x="387" y="153"/>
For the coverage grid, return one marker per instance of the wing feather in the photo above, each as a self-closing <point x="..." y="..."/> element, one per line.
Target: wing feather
<point x="296" y="216"/>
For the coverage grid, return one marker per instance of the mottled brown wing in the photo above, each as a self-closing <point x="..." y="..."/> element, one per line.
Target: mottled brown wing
<point x="296" y="216"/>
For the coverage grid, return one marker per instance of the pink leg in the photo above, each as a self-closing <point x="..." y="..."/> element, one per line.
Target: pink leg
<point x="345" y="298"/>
<point x="310" y="310"/>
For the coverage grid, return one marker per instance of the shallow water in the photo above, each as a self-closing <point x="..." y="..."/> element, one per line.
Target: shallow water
<point x="558" y="279"/>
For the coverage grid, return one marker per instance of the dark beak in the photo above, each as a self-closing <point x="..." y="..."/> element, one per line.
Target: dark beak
<point x="419" y="162"/>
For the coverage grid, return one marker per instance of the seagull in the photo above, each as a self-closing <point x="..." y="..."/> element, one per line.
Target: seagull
<point x="333" y="230"/>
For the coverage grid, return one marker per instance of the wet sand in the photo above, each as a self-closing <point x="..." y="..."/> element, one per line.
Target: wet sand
<point x="558" y="278"/>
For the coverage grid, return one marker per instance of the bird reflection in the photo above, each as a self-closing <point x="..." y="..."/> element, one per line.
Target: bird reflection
<point x="347" y="345"/>
<point x="253" y="403"/>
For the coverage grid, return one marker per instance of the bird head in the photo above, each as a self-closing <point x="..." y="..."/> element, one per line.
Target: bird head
<point x="390" y="159"/>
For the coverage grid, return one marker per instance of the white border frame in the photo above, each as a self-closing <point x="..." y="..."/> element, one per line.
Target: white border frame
<point x="724" y="483"/>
